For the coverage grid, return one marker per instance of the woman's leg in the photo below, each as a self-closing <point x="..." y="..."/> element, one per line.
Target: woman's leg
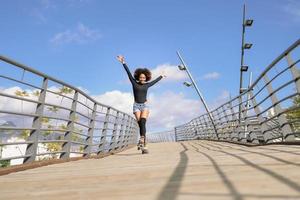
<point x="137" y="115"/>
<point x="145" y="113"/>
<point x="143" y="118"/>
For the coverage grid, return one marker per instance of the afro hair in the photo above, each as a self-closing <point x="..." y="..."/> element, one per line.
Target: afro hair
<point x="140" y="71"/>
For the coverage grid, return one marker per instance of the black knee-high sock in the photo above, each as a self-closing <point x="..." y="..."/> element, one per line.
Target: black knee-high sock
<point x="142" y="123"/>
<point x="140" y="126"/>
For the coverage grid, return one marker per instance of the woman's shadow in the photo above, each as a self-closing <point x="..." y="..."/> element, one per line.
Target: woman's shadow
<point x="127" y="154"/>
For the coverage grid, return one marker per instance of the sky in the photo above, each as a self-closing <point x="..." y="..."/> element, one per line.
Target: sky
<point x="77" y="41"/>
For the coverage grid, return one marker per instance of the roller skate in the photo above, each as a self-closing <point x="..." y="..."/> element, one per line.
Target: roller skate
<point x="142" y="146"/>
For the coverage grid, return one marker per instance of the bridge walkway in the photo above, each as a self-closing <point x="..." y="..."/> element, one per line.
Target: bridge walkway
<point x="183" y="170"/>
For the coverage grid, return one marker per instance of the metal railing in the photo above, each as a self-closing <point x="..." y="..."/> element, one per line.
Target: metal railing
<point x="270" y="108"/>
<point x="43" y="118"/>
<point x="162" y="136"/>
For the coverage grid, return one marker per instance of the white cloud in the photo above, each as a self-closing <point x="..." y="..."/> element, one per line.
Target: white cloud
<point x="220" y="99"/>
<point x="83" y="89"/>
<point x="211" y="76"/>
<point x="46" y="4"/>
<point x="15" y="105"/>
<point x="167" y="109"/>
<point x="117" y="99"/>
<point x="40" y="10"/>
<point x="170" y="109"/>
<point x="38" y="14"/>
<point x="80" y="35"/>
<point x="75" y="2"/>
<point x="293" y="9"/>
<point x="171" y="71"/>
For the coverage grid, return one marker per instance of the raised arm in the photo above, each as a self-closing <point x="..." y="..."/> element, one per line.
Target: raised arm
<point x="155" y="80"/>
<point x="128" y="73"/>
<point x="122" y="60"/>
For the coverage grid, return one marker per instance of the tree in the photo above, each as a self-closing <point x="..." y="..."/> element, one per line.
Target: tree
<point x="294" y="114"/>
<point x="3" y="163"/>
<point x="51" y="124"/>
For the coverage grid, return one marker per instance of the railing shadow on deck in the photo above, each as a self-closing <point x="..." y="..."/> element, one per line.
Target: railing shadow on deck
<point x="171" y="189"/>
<point x="204" y="149"/>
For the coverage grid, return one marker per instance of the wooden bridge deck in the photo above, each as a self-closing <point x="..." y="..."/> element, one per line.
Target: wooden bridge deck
<point x="185" y="170"/>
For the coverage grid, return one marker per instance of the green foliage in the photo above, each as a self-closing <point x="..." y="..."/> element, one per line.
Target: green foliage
<point x="45" y="120"/>
<point x="53" y="109"/>
<point x="63" y="126"/>
<point x="81" y="148"/>
<point x="294" y="114"/>
<point x="65" y="90"/>
<point x="52" y="147"/>
<point x="25" y="134"/>
<point x="55" y="146"/>
<point x="21" y="93"/>
<point x="4" y="163"/>
<point x="36" y="93"/>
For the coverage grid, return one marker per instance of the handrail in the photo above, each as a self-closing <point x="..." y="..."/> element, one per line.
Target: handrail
<point x="29" y="69"/>
<point x="226" y="118"/>
<point x="65" y="131"/>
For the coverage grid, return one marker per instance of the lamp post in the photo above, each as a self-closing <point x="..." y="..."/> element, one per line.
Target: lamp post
<point x="243" y="68"/>
<point x="183" y="67"/>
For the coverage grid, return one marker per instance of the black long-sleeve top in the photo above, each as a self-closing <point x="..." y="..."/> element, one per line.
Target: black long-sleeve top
<point x="139" y="89"/>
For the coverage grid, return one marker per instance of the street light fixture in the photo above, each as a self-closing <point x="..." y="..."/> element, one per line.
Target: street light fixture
<point x="247" y="46"/>
<point x="188" y="84"/>
<point x="249" y="22"/>
<point x="243" y="90"/>
<point x="246" y="23"/>
<point x="184" y="67"/>
<point x="181" y="67"/>
<point x="244" y="68"/>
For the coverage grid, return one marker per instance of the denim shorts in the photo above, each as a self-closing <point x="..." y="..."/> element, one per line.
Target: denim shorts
<point x="140" y="106"/>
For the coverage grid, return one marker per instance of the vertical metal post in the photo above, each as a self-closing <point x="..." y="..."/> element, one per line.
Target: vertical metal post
<point x="247" y="106"/>
<point x="89" y="139"/>
<point x="227" y="128"/>
<point x="121" y="134"/>
<point x="199" y="93"/>
<point x="286" y="129"/>
<point x="254" y="137"/>
<point x="134" y="133"/>
<point x="114" y="135"/>
<point x="129" y="132"/>
<point x="295" y="72"/>
<point x="198" y="124"/>
<point x="205" y="133"/>
<point x="234" y="122"/>
<point x="104" y="132"/>
<point x="66" y="148"/>
<point x="208" y="128"/>
<point x="125" y="133"/>
<point x="218" y="123"/>
<point x="37" y="124"/>
<point x="202" y="135"/>
<point x="242" y="126"/>
<point x="242" y="63"/>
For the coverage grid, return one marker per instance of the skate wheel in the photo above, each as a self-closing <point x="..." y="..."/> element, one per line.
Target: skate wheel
<point x="145" y="151"/>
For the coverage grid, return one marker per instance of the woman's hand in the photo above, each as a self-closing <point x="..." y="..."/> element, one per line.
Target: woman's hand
<point x="163" y="74"/>
<point x="121" y="59"/>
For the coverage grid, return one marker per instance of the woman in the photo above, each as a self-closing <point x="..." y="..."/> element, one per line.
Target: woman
<point x="140" y="87"/>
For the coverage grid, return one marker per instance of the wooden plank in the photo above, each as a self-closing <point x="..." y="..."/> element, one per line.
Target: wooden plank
<point x="175" y="170"/>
